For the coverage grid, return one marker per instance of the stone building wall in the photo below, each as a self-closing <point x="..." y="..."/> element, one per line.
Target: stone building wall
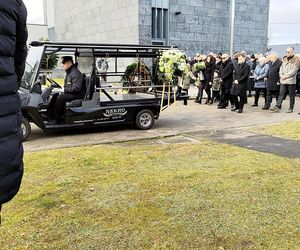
<point x="145" y="22"/>
<point x="251" y="25"/>
<point x="114" y="21"/>
<point x="202" y="25"/>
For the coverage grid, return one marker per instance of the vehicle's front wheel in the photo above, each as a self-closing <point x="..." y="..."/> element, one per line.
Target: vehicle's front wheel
<point x="26" y="128"/>
<point x="144" y="119"/>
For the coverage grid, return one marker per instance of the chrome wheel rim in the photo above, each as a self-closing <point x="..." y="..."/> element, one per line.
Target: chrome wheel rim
<point x="23" y="127"/>
<point x="145" y="119"/>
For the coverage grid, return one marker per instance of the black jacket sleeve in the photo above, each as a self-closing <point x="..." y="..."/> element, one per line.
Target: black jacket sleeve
<point x="268" y="73"/>
<point x="21" y="38"/>
<point x="228" y="73"/>
<point x="212" y="73"/>
<point x="245" y="73"/>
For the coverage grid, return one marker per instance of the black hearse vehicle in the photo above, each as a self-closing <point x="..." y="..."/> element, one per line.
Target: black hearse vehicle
<point x="109" y="71"/>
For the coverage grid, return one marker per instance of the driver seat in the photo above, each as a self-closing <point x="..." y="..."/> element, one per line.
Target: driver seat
<point x="89" y="83"/>
<point x="77" y="102"/>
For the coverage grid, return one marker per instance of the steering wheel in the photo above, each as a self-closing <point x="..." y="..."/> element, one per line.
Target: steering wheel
<point x="54" y="84"/>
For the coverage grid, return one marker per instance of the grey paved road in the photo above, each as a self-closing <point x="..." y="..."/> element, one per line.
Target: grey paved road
<point x="177" y="119"/>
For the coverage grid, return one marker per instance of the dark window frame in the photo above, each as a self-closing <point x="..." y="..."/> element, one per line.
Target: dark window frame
<point x="160" y="23"/>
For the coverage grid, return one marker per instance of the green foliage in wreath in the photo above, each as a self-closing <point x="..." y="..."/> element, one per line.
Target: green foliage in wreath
<point x="129" y="71"/>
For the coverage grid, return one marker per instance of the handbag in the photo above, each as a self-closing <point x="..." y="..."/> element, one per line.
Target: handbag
<point x="201" y="76"/>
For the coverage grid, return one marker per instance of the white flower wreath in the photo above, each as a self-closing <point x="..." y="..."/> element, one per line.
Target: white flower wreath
<point x="172" y="64"/>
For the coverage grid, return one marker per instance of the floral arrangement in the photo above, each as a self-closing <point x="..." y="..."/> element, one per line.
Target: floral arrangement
<point x="132" y="69"/>
<point x="197" y="67"/>
<point x="197" y="71"/>
<point x="129" y="70"/>
<point x="172" y="64"/>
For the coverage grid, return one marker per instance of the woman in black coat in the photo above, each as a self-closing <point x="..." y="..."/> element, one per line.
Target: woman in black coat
<point x="13" y="52"/>
<point x="239" y="85"/>
<point x="209" y="76"/>
<point x="272" y="79"/>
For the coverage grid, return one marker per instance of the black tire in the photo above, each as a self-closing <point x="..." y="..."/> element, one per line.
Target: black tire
<point x="26" y="128"/>
<point x="144" y="119"/>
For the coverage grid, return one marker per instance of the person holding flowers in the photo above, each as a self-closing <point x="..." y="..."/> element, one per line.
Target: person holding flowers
<point x="198" y="71"/>
<point x="216" y="81"/>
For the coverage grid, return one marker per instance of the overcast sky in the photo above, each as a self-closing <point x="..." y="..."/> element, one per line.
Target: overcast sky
<point x="284" y="25"/>
<point x="35" y="11"/>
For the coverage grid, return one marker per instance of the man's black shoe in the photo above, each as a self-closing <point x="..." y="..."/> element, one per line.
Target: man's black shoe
<point x="234" y="109"/>
<point x="240" y="111"/>
<point x="221" y="107"/>
<point x="254" y="105"/>
<point x="265" y="108"/>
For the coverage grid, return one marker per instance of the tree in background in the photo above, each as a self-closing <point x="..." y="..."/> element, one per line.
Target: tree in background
<point x="49" y="61"/>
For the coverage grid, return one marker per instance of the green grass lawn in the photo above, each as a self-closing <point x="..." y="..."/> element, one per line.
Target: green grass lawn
<point x="288" y="130"/>
<point x="139" y="196"/>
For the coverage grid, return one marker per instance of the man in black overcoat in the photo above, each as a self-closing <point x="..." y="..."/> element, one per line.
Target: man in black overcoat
<point x="272" y="79"/>
<point x="239" y="87"/>
<point x="226" y="79"/>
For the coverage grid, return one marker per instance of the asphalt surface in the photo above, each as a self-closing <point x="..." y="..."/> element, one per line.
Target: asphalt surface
<point x="241" y="137"/>
<point x="177" y="123"/>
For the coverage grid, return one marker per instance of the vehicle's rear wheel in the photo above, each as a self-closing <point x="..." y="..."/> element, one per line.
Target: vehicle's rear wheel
<point x="26" y="128"/>
<point x="144" y="119"/>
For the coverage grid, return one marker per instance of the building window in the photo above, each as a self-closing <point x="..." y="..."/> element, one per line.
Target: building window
<point x="160" y="23"/>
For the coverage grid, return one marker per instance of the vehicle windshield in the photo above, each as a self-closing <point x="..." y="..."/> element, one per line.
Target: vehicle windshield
<point x="32" y="63"/>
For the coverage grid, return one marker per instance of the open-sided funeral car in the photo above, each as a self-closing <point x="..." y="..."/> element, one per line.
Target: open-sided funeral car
<point x="121" y="85"/>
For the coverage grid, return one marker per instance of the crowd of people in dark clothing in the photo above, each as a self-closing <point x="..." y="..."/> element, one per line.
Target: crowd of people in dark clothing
<point x="229" y="81"/>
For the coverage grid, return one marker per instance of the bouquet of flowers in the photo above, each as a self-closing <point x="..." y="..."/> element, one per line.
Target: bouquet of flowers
<point x="197" y="71"/>
<point x="197" y="67"/>
<point x="173" y="64"/>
